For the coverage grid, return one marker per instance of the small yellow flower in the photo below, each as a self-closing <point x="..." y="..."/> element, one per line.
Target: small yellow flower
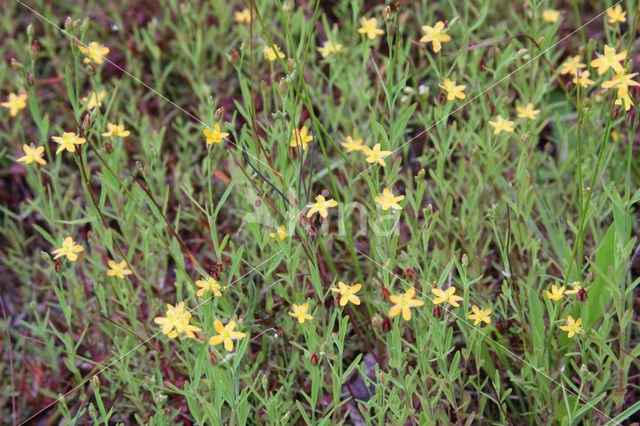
<point x="404" y="303"/>
<point x="556" y="293"/>
<point x="300" y="312"/>
<point x="281" y="232"/>
<point x="353" y="145"/>
<point x="15" y="103"/>
<point x="609" y="59"/>
<point x="528" y="112"/>
<point x="69" y="248"/>
<point x="118" y="269"/>
<point x="215" y="135"/>
<point x="321" y="205"/>
<point x="32" y="154"/>
<point x="375" y="155"/>
<point x="243" y="16"/>
<point x="329" y="48"/>
<point x="178" y="318"/>
<point x="453" y="91"/>
<point x="388" y="201"/>
<point x="68" y="141"/>
<point x="572" y="327"/>
<point x="480" y="315"/>
<point x="616" y="15"/>
<point x="572" y="65"/>
<point x="209" y="285"/>
<point x="226" y="335"/>
<point x="583" y="80"/>
<point x="300" y="137"/>
<point x="93" y="100"/>
<point x="116" y="131"/>
<point x="272" y="52"/>
<point x="95" y="53"/>
<point x="369" y="27"/>
<point x="446" y="296"/>
<point x="501" y="125"/>
<point x="622" y="82"/>
<point x="550" y="15"/>
<point x="575" y="288"/>
<point x="435" y="36"/>
<point x="347" y="293"/>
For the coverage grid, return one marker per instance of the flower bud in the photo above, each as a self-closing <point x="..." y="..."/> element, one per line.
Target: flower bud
<point x="582" y="294"/>
<point x="220" y="266"/>
<point x="631" y="115"/>
<point x="411" y="274"/>
<point x="57" y="266"/>
<point x="421" y="173"/>
<point x="283" y="86"/>
<point x="235" y="56"/>
<point x="486" y="96"/>
<point x="569" y="86"/>
<point x="35" y="49"/>
<point x="385" y="293"/>
<point x="386" y="12"/>
<point x="437" y="311"/>
<point x="465" y="260"/>
<point x="442" y="98"/>
<point x="15" y="64"/>
<point x="482" y="65"/>
<point x="616" y="112"/>
<point x="290" y="64"/>
<point x="68" y="24"/>
<point x="30" y="31"/>
<point x="86" y="122"/>
<point x="85" y="25"/>
<point x="386" y="324"/>
<point x="492" y="108"/>
<point x="218" y="114"/>
<point x="90" y="69"/>
<point x="314" y="359"/>
<point x="215" y="274"/>
<point x="108" y="147"/>
<point x="30" y="80"/>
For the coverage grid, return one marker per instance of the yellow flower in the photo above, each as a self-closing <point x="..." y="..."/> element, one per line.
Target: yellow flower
<point x="572" y="327"/>
<point x="118" y="269"/>
<point x="69" y="249"/>
<point x="404" y="303"/>
<point x="501" y="125"/>
<point x="571" y="66"/>
<point x="215" y="135"/>
<point x="583" y="80"/>
<point x="576" y="287"/>
<point x="528" y="112"/>
<point x="353" y="145"/>
<point x="300" y="312"/>
<point x="622" y="82"/>
<point x="282" y="233"/>
<point x="178" y="318"/>
<point x="271" y="52"/>
<point x="446" y="296"/>
<point x="435" y="36"/>
<point x="347" y="293"/>
<point x="321" y="205"/>
<point x="95" y="52"/>
<point x="242" y="16"/>
<point x="609" y="59"/>
<point x="226" y="335"/>
<point x="93" y="100"/>
<point x="329" y="47"/>
<point x="300" y="137"/>
<point x="556" y="293"/>
<point x="68" y="141"/>
<point x="388" y="201"/>
<point x="626" y="99"/>
<point x="209" y="285"/>
<point x="616" y="15"/>
<point x="375" y="155"/>
<point x="15" y="103"/>
<point x="453" y="91"/>
<point x="116" y="130"/>
<point x="32" y="154"/>
<point x="369" y="28"/>
<point x="550" y="15"/>
<point x="479" y="315"/>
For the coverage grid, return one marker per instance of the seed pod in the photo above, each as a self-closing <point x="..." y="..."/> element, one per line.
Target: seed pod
<point x="314" y="359"/>
<point x="386" y="324"/>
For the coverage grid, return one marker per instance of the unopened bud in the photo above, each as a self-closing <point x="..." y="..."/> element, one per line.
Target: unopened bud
<point x="30" y="31"/>
<point x="442" y="98"/>
<point x="220" y="266"/>
<point x="616" y="112"/>
<point x="376" y="322"/>
<point x="235" y="56"/>
<point x="217" y="116"/>
<point x="386" y="12"/>
<point x="35" y="49"/>
<point x="15" y="64"/>
<point x="108" y="147"/>
<point x="421" y="173"/>
<point x="290" y="64"/>
<point x="90" y="69"/>
<point x="482" y="65"/>
<point x="385" y="293"/>
<point x="86" y="122"/>
<point x="386" y="324"/>
<point x="492" y="108"/>
<point x="314" y="359"/>
<point x="68" y="24"/>
<point x="85" y="25"/>
<point x="582" y="295"/>
<point x="30" y="80"/>
<point x="437" y="311"/>
<point x="391" y="29"/>
<point x="283" y="86"/>
<point x="57" y="266"/>
<point x="257" y="202"/>
<point x="411" y="274"/>
<point x="429" y="210"/>
<point x="465" y="260"/>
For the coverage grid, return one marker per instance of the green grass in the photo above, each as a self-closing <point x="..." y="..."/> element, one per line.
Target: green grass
<point x="499" y="217"/>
